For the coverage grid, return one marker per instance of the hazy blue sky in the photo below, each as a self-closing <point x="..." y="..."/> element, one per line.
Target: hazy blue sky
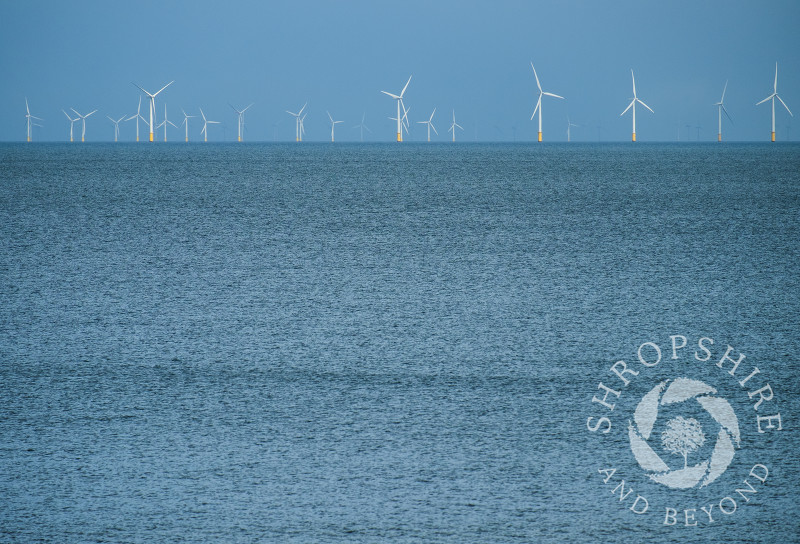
<point x="473" y="57"/>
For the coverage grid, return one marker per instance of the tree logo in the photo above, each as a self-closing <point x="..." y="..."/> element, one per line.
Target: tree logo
<point x="683" y="436"/>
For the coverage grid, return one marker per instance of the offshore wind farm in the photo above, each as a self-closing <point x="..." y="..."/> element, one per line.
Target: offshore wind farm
<point x="287" y="272"/>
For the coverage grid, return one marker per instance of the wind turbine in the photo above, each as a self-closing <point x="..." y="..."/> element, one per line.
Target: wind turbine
<point x="633" y="104"/>
<point x="362" y="126"/>
<point x="206" y="122"/>
<point x="241" y="119"/>
<point x="71" y="124"/>
<point x="298" y="136"/>
<point x="137" y="116"/>
<point x="539" y="102"/>
<point x="429" y="122"/>
<point x="720" y="109"/>
<point x="165" y="122"/>
<point x="83" y="120"/>
<point x="569" y="125"/>
<point x="153" y="104"/>
<point x="333" y="123"/>
<point x="29" y="118"/>
<point x="454" y="125"/>
<point x="399" y="99"/>
<point x="303" y="126"/>
<point x="116" y="126"/>
<point x="186" y="122"/>
<point x="772" y="97"/>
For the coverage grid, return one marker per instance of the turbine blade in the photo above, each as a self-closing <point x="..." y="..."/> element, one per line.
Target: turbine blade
<point x="27" y="109"/>
<point x="91" y="112"/>
<point x="537" y="78"/>
<point x="726" y="113"/>
<point x="784" y="105"/>
<point x="68" y="117"/>
<point x="164" y="87"/>
<point x="554" y="95"/>
<point x="406" y="87"/>
<point x="629" y="107"/>
<point x="329" y="115"/>
<point x="434" y="129"/>
<point x="775" y="88"/>
<point x="392" y="95"/>
<point x="758" y="104"/>
<point x="145" y="92"/>
<point x="203" y="114"/>
<point x="721" y="100"/>
<point x="301" y="109"/>
<point x="645" y="105"/>
<point x="538" y="103"/>
<point x="633" y="79"/>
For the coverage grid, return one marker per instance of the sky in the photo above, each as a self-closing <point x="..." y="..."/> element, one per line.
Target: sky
<point x="465" y="56"/>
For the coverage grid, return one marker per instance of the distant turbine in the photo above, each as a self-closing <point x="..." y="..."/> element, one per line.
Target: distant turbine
<point x="362" y="126"/>
<point x="116" y="126"/>
<point x="153" y="104"/>
<point x="29" y="118"/>
<point x="454" y="125"/>
<point x="298" y="136"/>
<point x="165" y="122"/>
<point x="399" y="119"/>
<point x="137" y="116"/>
<point x="83" y="120"/>
<point x="186" y="122"/>
<point x="429" y="122"/>
<point x="71" y="124"/>
<point x="772" y="97"/>
<point x="241" y="119"/>
<point x="569" y="125"/>
<point x="206" y="122"/>
<point x="633" y="104"/>
<point x="539" y="102"/>
<point x="720" y="109"/>
<point x="333" y="123"/>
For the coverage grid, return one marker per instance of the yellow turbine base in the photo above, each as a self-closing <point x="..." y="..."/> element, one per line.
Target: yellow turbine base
<point x="540" y="136"/>
<point x="81" y="138"/>
<point x="151" y="136"/>
<point x="633" y="136"/>
<point x="399" y="136"/>
<point x="240" y="138"/>
<point x="71" y="140"/>
<point x="719" y="137"/>
<point x="187" y="139"/>
<point x="773" y="136"/>
<point x="29" y="138"/>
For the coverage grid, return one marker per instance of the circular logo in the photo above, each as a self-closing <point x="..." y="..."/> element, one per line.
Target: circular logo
<point x="682" y="435"/>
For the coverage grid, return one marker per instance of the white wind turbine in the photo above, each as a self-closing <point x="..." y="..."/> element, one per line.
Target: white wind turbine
<point x="29" y="118"/>
<point x="241" y="119"/>
<point x="399" y="119"/>
<point x="298" y="134"/>
<point x="153" y="104"/>
<point x="186" y="122"/>
<point x="83" y="120"/>
<point x="633" y="105"/>
<point x="71" y="124"/>
<point x="454" y="125"/>
<point x="137" y="116"/>
<point x="539" y="102"/>
<point x="429" y="122"/>
<point x="333" y="123"/>
<point x="772" y="97"/>
<point x="362" y="126"/>
<point x="165" y="122"/>
<point x="570" y="124"/>
<point x="116" y="126"/>
<point x="206" y="122"/>
<point x="720" y="109"/>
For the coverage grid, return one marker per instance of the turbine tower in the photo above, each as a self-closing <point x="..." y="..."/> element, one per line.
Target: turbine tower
<point x="720" y="109"/>
<point x="206" y="122"/>
<point x="539" y="102"/>
<point x="570" y="124"/>
<point x="362" y="126"/>
<point x="29" y="118"/>
<point x="186" y="122"/>
<point x="454" y="125"/>
<point x="298" y="134"/>
<point x="83" y="120"/>
<point x="241" y="119"/>
<point x="153" y="104"/>
<point x="429" y="122"/>
<point x="71" y="124"/>
<point x="633" y="105"/>
<point x="399" y="119"/>
<point x="116" y="126"/>
<point x="772" y="97"/>
<point x="165" y="122"/>
<point x="333" y="124"/>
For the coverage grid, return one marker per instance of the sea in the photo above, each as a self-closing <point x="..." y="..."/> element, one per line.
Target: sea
<point x="418" y="343"/>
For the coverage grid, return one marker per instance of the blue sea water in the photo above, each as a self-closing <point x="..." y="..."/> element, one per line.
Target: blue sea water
<point x="375" y="343"/>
